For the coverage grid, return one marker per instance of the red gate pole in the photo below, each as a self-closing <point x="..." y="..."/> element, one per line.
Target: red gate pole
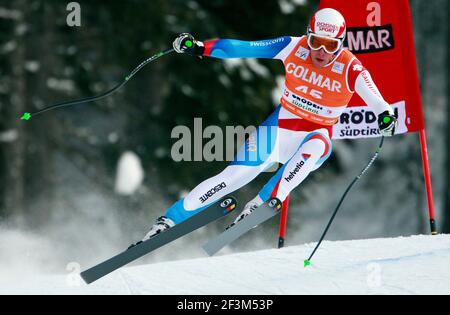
<point x="283" y="223"/>
<point x="427" y="177"/>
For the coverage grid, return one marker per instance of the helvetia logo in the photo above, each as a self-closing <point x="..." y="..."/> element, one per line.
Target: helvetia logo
<point x="212" y="192"/>
<point x="295" y="171"/>
<point x="362" y="40"/>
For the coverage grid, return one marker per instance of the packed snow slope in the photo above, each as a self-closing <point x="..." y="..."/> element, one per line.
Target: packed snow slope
<point x="410" y="265"/>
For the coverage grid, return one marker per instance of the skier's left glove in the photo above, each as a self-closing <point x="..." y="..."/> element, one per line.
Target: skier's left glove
<point x="186" y="43"/>
<point x="387" y="123"/>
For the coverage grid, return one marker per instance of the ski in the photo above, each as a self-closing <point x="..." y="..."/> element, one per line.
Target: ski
<point x="214" y="212"/>
<point x="258" y="216"/>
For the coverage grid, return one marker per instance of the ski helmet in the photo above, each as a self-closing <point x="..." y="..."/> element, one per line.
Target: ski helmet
<point x="328" y="23"/>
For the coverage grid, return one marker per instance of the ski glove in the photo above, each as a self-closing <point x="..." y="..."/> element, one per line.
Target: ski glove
<point x="186" y="43"/>
<point x="387" y="123"/>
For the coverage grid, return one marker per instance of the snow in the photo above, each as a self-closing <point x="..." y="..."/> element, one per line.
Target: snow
<point x="288" y="6"/>
<point x="9" y="135"/>
<point x="32" y="66"/>
<point x="8" y="47"/>
<point x="10" y="14"/>
<point x="244" y="66"/>
<point x="61" y="85"/>
<point x="113" y="137"/>
<point x="276" y="92"/>
<point x="130" y="174"/>
<point x="405" y="265"/>
<point x="232" y="63"/>
<point x="256" y="67"/>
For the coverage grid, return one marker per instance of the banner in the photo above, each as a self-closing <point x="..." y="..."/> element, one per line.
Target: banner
<point x="380" y="34"/>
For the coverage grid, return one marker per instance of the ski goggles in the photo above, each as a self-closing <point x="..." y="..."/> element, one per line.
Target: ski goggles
<point x="331" y="45"/>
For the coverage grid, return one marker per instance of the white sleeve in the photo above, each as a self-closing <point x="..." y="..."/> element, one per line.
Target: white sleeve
<point x="368" y="91"/>
<point x="282" y="55"/>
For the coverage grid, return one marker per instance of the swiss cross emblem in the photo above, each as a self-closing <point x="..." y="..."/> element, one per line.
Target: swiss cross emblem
<point x="357" y="68"/>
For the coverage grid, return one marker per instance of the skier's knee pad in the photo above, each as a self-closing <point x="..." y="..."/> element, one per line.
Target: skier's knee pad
<point x="321" y="146"/>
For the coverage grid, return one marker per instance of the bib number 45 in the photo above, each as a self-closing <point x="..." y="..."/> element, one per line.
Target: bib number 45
<point x="314" y="93"/>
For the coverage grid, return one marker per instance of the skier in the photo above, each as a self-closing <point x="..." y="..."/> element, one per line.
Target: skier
<point x="321" y="77"/>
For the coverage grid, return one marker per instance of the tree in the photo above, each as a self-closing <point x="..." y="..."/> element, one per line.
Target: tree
<point x="13" y="151"/>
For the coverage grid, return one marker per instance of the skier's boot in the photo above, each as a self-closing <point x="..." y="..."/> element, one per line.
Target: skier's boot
<point x="162" y="224"/>
<point x="248" y="209"/>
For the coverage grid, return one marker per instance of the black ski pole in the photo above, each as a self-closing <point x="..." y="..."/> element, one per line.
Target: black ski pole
<point x="27" y="116"/>
<point x="307" y="262"/>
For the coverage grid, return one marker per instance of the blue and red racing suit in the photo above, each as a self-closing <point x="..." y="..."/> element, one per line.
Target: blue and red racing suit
<point x="297" y="134"/>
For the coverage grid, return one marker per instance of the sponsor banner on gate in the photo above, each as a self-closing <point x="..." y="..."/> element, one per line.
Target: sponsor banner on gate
<point x="380" y="34"/>
<point x="360" y="122"/>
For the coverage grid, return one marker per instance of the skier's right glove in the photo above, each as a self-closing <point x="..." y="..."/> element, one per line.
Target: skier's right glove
<point x="387" y="124"/>
<point x="186" y="43"/>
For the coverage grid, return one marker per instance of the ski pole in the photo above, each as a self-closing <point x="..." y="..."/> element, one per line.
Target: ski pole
<point x="307" y="262"/>
<point x="27" y="116"/>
